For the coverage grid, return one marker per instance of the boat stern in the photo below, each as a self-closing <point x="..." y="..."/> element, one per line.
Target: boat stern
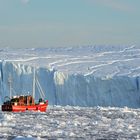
<point x="6" y="107"/>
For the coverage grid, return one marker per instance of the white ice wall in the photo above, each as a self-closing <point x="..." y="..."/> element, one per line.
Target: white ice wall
<point x="74" y="89"/>
<point x="94" y="91"/>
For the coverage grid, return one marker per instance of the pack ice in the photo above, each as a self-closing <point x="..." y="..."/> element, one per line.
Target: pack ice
<point x="78" y="76"/>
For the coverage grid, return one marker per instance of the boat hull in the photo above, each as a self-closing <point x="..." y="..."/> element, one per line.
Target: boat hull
<point x="23" y="108"/>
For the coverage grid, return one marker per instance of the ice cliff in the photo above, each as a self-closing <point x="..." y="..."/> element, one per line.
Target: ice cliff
<point x="83" y="76"/>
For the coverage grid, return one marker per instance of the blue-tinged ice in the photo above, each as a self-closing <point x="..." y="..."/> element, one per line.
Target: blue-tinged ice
<point x="77" y="76"/>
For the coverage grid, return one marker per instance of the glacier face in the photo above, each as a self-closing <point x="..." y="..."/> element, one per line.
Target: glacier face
<point x="93" y="91"/>
<point x="79" y="76"/>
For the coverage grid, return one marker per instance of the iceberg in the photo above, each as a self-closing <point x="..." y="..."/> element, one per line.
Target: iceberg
<point x="77" y="76"/>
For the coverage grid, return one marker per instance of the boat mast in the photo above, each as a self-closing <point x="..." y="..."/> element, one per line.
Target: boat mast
<point x="33" y="83"/>
<point x="10" y="85"/>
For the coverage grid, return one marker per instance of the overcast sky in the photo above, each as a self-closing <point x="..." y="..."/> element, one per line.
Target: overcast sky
<point x="52" y="23"/>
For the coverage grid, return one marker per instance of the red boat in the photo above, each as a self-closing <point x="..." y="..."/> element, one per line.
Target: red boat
<point x="24" y="103"/>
